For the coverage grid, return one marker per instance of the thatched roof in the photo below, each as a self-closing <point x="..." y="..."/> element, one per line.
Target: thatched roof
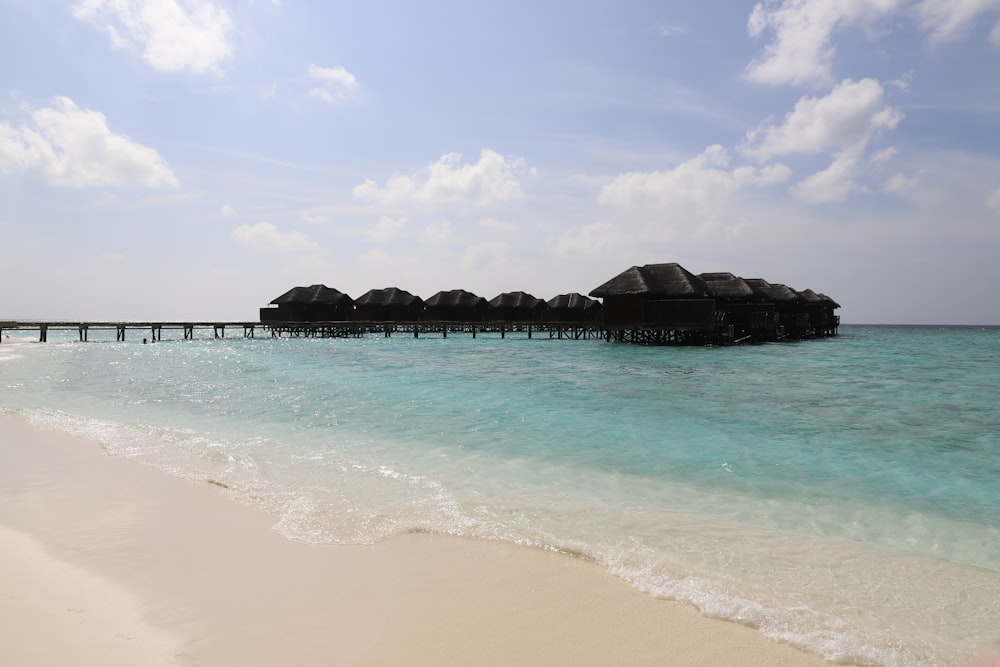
<point x="724" y="285"/>
<point x="313" y="295"/>
<point x="456" y="298"/>
<point x="828" y="301"/>
<point x="666" y="281"/>
<point x="519" y="300"/>
<point x="390" y="296"/>
<point x="810" y="298"/>
<point x="573" y="301"/>
<point x="776" y="292"/>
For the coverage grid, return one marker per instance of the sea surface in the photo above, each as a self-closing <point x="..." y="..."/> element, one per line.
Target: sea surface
<point x="842" y="495"/>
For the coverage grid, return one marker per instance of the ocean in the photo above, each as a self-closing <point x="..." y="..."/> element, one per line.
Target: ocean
<point x="840" y="494"/>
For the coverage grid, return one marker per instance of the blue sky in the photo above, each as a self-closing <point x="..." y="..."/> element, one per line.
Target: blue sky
<point x="176" y="159"/>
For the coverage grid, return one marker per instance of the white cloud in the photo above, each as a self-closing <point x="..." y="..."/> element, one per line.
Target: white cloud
<point x="335" y="84"/>
<point x="801" y="50"/>
<point x="849" y="116"/>
<point x="950" y="19"/>
<point x="171" y="35"/>
<point x="266" y="236"/>
<point x="703" y="181"/>
<point x="226" y="211"/>
<point x="315" y="218"/>
<point x="832" y="184"/>
<point x="486" y="255"/>
<point x="386" y="229"/>
<point x="499" y="225"/>
<point x="490" y="181"/>
<point x="671" y="30"/>
<point x="900" y="184"/>
<point x="884" y="155"/>
<point x="72" y="147"/>
<point x="993" y="201"/>
<point x="436" y="233"/>
<point x="591" y="240"/>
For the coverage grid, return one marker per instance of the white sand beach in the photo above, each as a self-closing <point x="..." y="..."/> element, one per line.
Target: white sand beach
<point x="104" y="562"/>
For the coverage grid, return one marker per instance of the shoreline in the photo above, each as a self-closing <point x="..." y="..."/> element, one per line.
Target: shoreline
<point x="180" y="572"/>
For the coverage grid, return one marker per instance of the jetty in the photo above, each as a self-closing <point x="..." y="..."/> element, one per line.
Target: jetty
<point x="654" y="304"/>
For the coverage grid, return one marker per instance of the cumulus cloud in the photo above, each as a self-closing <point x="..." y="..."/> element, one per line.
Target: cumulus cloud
<point x="73" y="147"/>
<point x="703" y="181"/>
<point x="801" y="49"/>
<point x="486" y="255"/>
<point x="227" y="211"/>
<point x="832" y="184"/>
<point x="315" y="218"/>
<point x="950" y="19"/>
<point x="900" y="183"/>
<point x="386" y="229"/>
<point x="491" y="180"/>
<point x="436" y="233"/>
<point x="266" y="236"/>
<point x="334" y="84"/>
<point x="591" y="240"/>
<point x="993" y="201"/>
<point x="171" y="35"/>
<point x="499" y="225"/>
<point x="849" y="116"/>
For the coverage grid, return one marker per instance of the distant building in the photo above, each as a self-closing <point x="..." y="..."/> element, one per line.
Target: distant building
<point x="316" y="303"/>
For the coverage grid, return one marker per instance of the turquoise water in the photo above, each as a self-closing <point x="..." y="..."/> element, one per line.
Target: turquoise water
<point x="839" y="494"/>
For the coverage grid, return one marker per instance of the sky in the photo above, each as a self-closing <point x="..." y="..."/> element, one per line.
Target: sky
<point x="194" y="159"/>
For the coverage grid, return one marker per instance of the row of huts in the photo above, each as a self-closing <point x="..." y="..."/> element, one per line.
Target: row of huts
<point x="655" y="303"/>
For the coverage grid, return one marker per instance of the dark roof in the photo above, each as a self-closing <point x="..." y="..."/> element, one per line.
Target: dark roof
<point x="724" y="285"/>
<point x="516" y="300"/>
<point x="573" y="301"/>
<point x="810" y="297"/>
<point x="390" y="296"/>
<point x="314" y="294"/>
<point x="456" y="298"/>
<point x="830" y="302"/>
<point x="776" y="292"/>
<point x="671" y="281"/>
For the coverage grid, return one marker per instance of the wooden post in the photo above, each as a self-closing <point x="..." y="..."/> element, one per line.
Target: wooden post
<point x="529" y="332"/>
<point x="120" y="335"/>
<point x="43" y="333"/>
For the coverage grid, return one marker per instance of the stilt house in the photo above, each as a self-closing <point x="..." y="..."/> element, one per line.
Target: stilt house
<point x="516" y="307"/>
<point x="742" y="312"/>
<point x="657" y="296"/>
<point x="316" y="303"/>
<point x="388" y="305"/>
<point x="456" y="305"/>
<point x="573" y="308"/>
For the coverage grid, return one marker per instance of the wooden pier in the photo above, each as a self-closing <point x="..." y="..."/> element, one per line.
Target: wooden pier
<point x="153" y="331"/>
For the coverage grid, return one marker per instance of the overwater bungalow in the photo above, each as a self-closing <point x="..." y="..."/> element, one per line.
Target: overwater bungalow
<point x="456" y="305"/>
<point x="742" y="311"/>
<point x="516" y="307"/>
<point x="657" y="303"/>
<point x="573" y="308"/>
<point x="786" y="307"/>
<point x="316" y="303"/>
<point x="388" y="305"/>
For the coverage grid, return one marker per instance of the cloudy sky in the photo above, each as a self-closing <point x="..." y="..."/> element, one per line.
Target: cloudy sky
<point x="175" y="159"/>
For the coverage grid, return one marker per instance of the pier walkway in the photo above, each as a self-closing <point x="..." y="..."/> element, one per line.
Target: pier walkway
<point x="154" y="330"/>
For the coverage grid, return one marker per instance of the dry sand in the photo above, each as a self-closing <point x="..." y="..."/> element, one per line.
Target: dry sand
<point x="107" y="562"/>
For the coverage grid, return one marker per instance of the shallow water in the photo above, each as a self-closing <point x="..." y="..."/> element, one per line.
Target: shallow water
<point x="840" y="494"/>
